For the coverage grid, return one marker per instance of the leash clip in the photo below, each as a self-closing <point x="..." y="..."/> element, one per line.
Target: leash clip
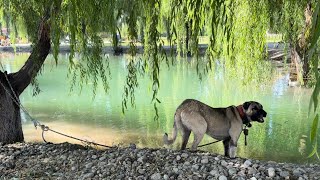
<point x="245" y="132"/>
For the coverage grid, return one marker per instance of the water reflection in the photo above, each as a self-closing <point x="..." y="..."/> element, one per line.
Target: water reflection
<point x="281" y="138"/>
<point x="279" y="87"/>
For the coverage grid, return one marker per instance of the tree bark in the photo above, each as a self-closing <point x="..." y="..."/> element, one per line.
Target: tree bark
<point x="299" y="51"/>
<point x="187" y="27"/>
<point x="10" y="119"/>
<point x="12" y="85"/>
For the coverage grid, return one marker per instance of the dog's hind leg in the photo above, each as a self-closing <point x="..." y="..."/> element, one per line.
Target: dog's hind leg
<point x="185" y="137"/>
<point x="196" y="123"/>
<point x="197" y="139"/>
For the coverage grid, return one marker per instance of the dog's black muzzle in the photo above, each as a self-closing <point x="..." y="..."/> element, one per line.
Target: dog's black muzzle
<point x="259" y="116"/>
<point x="263" y="113"/>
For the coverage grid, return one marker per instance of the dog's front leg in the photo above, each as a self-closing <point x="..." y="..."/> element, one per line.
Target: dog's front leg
<point x="234" y="134"/>
<point x="232" y="149"/>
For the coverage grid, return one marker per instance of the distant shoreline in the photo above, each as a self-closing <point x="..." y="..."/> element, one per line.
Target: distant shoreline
<point x="65" y="48"/>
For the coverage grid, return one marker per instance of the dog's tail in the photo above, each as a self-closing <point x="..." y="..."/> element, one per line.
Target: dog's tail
<point x="168" y="141"/>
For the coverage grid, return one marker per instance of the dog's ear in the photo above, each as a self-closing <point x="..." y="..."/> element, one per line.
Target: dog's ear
<point x="246" y="105"/>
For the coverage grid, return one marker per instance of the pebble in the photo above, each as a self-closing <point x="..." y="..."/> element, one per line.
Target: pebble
<point x="297" y="172"/>
<point x="284" y="173"/>
<point x="214" y="172"/>
<point x="156" y="176"/>
<point x="232" y="171"/>
<point x="195" y="167"/>
<point x="246" y="164"/>
<point x="205" y="161"/>
<point x="184" y="155"/>
<point x="141" y="171"/>
<point x="271" y="172"/>
<point x="223" y="178"/>
<point x="71" y="161"/>
<point x="224" y="163"/>
<point x="89" y="165"/>
<point x="89" y="175"/>
<point x="251" y="170"/>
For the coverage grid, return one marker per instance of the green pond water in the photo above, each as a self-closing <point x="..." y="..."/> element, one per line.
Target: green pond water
<point x="284" y="137"/>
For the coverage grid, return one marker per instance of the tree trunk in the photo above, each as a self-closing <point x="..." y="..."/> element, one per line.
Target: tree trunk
<point x="296" y="71"/>
<point x="116" y="37"/>
<point x="10" y="120"/>
<point x="187" y="27"/>
<point x="299" y="51"/>
<point x="12" y="85"/>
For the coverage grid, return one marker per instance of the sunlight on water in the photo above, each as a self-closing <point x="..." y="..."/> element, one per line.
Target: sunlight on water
<point x="101" y="135"/>
<point x="283" y="137"/>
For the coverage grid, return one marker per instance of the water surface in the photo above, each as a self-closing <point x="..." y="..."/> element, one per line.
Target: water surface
<point x="283" y="137"/>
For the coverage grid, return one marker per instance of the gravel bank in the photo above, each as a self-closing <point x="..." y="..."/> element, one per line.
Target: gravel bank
<point x="70" y="161"/>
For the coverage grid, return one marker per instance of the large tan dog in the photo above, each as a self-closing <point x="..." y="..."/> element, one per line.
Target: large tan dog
<point x="220" y="123"/>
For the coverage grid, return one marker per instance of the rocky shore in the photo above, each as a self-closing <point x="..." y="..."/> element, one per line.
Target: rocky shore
<point x="70" y="161"/>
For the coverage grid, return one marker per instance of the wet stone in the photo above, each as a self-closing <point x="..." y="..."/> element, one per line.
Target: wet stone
<point x="156" y="176"/>
<point x="271" y="172"/>
<point x="284" y="173"/>
<point x="184" y="155"/>
<point x="205" y="161"/>
<point x="224" y="163"/>
<point x="246" y="164"/>
<point x="232" y="171"/>
<point x="223" y="178"/>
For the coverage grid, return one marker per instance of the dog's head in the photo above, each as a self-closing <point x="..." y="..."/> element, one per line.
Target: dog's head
<point x="254" y="111"/>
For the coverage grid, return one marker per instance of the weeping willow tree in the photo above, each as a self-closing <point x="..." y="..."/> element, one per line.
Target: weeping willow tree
<point x="299" y="23"/>
<point x="236" y="30"/>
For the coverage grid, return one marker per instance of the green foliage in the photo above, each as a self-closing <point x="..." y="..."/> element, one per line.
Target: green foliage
<point x="249" y="26"/>
<point x="313" y="137"/>
<point x="152" y="49"/>
<point x="314" y="58"/>
<point x="130" y="85"/>
<point x="313" y="133"/>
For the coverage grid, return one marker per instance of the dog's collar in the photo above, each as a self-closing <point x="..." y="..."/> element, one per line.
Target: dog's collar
<point x="242" y="115"/>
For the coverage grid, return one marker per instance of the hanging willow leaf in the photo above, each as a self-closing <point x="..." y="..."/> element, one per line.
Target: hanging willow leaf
<point x="158" y="100"/>
<point x="314" y="151"/>
<point x="314" y="129"/>
<point x="315" y="28"/>
<point x="316" y="33"/>
<point x="314" y="97"/>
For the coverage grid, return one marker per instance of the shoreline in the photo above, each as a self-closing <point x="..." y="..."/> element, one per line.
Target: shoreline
<point x="275" y="50"/>
<point x="73" y="161"/>
<point x="106" y="49"/>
